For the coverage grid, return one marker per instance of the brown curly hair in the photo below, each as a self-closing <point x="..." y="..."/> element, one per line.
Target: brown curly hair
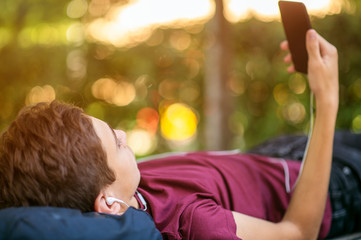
<point x="51" y="156"/>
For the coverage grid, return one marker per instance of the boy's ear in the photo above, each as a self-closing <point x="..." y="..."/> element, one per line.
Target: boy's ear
<point x="101" y="206"/>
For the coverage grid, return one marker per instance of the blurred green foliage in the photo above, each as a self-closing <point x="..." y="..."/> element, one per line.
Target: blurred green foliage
<point x="34" y="51"/>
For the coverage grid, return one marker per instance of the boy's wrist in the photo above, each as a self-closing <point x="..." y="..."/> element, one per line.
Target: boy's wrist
<point x="327" y="108"/>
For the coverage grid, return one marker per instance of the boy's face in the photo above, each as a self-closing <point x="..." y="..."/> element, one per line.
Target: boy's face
<point x="120" y="159"/>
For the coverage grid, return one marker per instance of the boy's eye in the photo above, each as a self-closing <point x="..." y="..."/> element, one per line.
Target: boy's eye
<point x="118" y="143"/>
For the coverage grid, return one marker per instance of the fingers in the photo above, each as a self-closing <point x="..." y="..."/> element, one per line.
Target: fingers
<point x="284" y="46"/>
<point x="312" y="44"/>
<point x="322" y="68"/>
<point x="291" y="69"/>
<point x="288" y="58"/>
<point x="317" y="46"/>
<point x="326" y="48"/>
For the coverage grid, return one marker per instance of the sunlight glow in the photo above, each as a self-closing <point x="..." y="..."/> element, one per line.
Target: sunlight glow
<point x="135" y="22"/>
<point x="130" y="24"/>
<point x="267" y="10"/>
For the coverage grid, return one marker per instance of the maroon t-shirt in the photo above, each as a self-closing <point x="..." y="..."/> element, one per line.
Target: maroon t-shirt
<point x="191" y="196"/>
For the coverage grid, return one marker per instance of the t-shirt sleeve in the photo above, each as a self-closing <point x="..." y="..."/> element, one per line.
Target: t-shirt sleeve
<point x="204" y="219"/>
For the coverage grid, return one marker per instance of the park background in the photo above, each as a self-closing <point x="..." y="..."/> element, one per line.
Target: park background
<point x="176" y="75"/>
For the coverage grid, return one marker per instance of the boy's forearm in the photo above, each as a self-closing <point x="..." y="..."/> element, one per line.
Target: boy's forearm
<point x="309" y="199"/>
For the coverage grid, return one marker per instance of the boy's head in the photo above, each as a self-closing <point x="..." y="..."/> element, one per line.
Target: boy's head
<point x="52" y="156"/>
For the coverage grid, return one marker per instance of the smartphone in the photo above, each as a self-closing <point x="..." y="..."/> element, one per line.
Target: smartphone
<point x="296" y="22"/>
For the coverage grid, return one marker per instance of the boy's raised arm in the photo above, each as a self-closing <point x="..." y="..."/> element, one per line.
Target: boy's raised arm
<point x="304" y="215"/>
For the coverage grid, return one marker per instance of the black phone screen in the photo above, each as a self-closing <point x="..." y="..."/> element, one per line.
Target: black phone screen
<point x="296" y="23"/>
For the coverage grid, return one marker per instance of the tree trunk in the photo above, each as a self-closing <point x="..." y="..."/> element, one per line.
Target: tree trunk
<point x="216" y="95"/>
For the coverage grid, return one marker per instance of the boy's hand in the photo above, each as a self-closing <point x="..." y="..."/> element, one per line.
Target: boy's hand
<point x="322" y="68"/>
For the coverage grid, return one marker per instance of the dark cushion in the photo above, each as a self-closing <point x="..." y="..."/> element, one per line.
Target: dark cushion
<point x="62" y="223"/>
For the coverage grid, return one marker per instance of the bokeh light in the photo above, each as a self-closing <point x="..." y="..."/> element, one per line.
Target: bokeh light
<point x="44" y="34"/>
<point x="180" y="40"/>
<point x="37" y="94"/>
<point x="120" y="93"/>
<point x="77" y="8"/>
<point x="25" y="38"/>
<point x="98" y="8"/>
<point x="75" y="33"/>
<point x="238" y="123"/>
<point x="169" y="89"/>
<point x="281" y="94"/>
<point x="141" y="86"/>
<point x="189" y="93"/>
<point x="76" y="64"/>
<point x="41" y="34"/>
<point x="178" y="122"/>
<point x="96" y="110"/>
<point x="355" y="89"/>
<point x="297" y="83"/>
<point x="156" y="38"/>
<point x="237" y="85"/>
<point x="294" y="113"/>
<point x="356" y="124"/>
<point x="193" y="67"/>
<point x="148" y="119"/>
<point x="141" y="142"/>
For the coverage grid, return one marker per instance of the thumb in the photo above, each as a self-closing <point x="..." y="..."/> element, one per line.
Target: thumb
<point x="312" y="44"/>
